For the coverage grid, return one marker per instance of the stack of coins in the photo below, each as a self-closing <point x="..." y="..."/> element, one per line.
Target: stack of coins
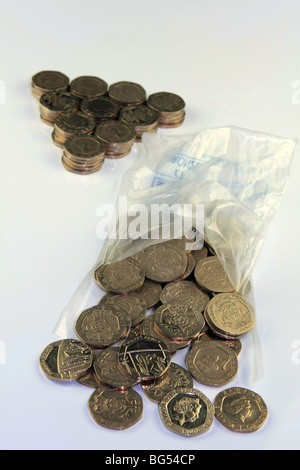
<point x="48" y="80"/>
<point x="141" y="117"/>
<point x="53" y="103"/>
<point x="101" y="109"/>
<point x="121" y="344"/>
<point x="88" y="87"/>
<point x="171" y="108"/>
<point x="127" y="93"/>
<point x="118" y="137"/>
<point x="83" y="154"/>
<point x="68" y="124"/>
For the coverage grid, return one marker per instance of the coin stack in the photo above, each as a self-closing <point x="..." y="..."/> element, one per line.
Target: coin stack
<point x="101" y="109"/>
<point x="141" y="117"/>
<point x="48" y="80"/>
<point x="83" y="154"/>
<point x="53" y="103"/>
<point x="127" y="93"/>
<point x="87" y="86"/>
<point x="171" y="108"/>
<point x="118" y="137"/>
<point x="68" y="124"/>
<point x="122" y="343"/>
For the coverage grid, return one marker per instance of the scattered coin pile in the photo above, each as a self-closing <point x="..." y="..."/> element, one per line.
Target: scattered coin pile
<point x="157" y="303"/>
<point x="118" y="114"/>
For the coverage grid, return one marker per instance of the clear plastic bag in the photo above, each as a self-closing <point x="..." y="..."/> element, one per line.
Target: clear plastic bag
<point x="239" y="176"/>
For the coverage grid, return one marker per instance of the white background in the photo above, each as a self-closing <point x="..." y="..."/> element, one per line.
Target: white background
<point x="233" y="62"/>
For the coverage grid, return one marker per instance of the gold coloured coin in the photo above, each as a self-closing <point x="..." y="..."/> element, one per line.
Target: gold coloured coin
<point x="210" y="275"/>
<point x="67" y="125"/>
<point x="186" y="411"/>
<point x="164" y="263"/>
<point x="66" y="360"/>
<point x="101" y="109"/>
<point x="229" y="316"/>
<point x="176" y="376"/>
<point x="144" y="358"/>
<point x="54" y="103"/>
<point x="171" y="108"/>
<point x="115" y="409"/>
<point x="187" y="293"/>
<point x="102" y="325"/>
<point x="141" y="117"/>
<point x="240" y="410"/>
<point x="121" y="276"/>
<point x="178" y="321"/>
<point x="132" y="303"/>
<point x="109" y="372"/>
<point x="148" y="329"/>
<point x="150" y="291"/>
<point x="212" y="363"/>
<point x="118" y="137"/>
<point x="208" y="335"/>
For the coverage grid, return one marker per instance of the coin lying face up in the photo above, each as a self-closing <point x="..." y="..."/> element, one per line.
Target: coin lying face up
<point x="66" y="360"/>
<point x="186" y="411"/>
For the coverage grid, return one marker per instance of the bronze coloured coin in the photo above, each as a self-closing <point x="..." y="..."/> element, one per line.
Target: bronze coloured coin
<point x="150" y="291"/>
<point x="102" y="325"/>
<point x="212" y="363"/>
<point x="141" y="117"/>
<point x="54" y="103"/>
<point x="176" y="376"/>
<point x="144" y="358"/>
<point x="171" y="108"/>
<point x="68" y="124"/>
<point x="210" y="275"/>
<point x="229" y="316"/>
<point x="118" y="137"/>
<point x="186" y="411"/>
<point x="101" y="109"/>
<point x="164" y="263"/>
<point x="48" y="80"/>
<point x="66" y="360"/>
<point x="127" y="93"/>
<point x="186" y="292"/>
<point x="240" y="410"/>
<point x="115" y="409"/>
<point x="178" y="321"/>
<point x="87" y="86"/>
<point x="121" y="276"/>
<point x="132" y="303"/>
<point x="109" y="372"/>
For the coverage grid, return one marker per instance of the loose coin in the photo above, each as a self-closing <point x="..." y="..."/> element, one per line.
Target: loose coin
<point x="115" y="409"/>
<point x="212" y="363"/>
<point x="121" y="276"/>
<point x="171" y="108"/>
<point x="67" y="125"/>
<point x="208" y="335"/>
<point x="186" y="411"/>
<point x="178" y="321"/>
<point x="66" y="360"/>
<point x="228" y="315"/>
<point x="89" y="379"/>
<point x="150" y="291"/>
<point x="186" y="292"/>
<point x="148" y="329"/>
<point x="101" y="109"/>
<point x="210" y="275"/>
<point x="164" y="263"/>
<point x="54" y="103"/>
<point x="102" y="325"/>
<point x="141" y="117"/>
<point x="176" y="376"/>
<point x="48" y="80"/>
<point x="240" y="409"/>
<point x="87" y="86"/>
<point x="118" y="137"/>
<point x="127" y="93"/>
<point x="144" y="358"/>
<point x="109" y="372"/>
<point x="132" y="303"/>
